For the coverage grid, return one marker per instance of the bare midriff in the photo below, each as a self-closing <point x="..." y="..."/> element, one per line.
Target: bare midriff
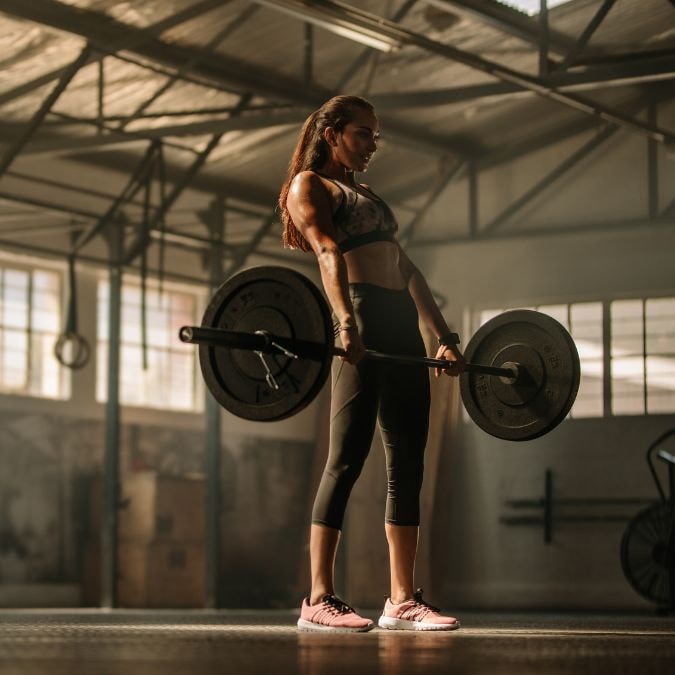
<point x="375" y="263"/>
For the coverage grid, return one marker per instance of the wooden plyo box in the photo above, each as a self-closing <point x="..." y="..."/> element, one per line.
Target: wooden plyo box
<point x="152" y="574"/>
<point x="154" y="507"/>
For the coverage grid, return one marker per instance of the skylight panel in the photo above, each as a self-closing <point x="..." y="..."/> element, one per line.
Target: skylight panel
<point x="531" y="7"/>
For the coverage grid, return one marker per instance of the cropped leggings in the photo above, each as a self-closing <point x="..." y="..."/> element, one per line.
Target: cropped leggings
<point x="396" y="396"/>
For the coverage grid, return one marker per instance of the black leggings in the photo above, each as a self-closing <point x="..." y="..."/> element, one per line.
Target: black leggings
<point x="397" y="396"/>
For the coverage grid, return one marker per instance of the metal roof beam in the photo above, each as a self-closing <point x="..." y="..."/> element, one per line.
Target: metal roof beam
<point x="362" y="59"/>
<point x="29" y="129"/>
<point x="404" y="37"/>
<point x="626" y="72"/>
<point x="60" y="144"/>
<point x="154" y="30"/>
<point x="178" y="188"/>
<point x="241" y="256"/>
<point x="548" y="180"/>
<point x="445" y="177"/>
<point x="508" y="152"/>
<point x="507" y="20"/>
<point x="133" y="185"/>
<point x="106" y="196"/>
<point x="105" y="33"/>
<point x="222" y="35"/>
<point x="545" y="230"/>
<point x="587" y="33"/>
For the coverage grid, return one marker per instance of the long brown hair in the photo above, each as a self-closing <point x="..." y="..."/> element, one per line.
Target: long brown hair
<point x="312" y="152"/>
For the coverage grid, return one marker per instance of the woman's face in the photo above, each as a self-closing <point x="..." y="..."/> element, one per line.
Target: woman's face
<point x="357" y="142"/>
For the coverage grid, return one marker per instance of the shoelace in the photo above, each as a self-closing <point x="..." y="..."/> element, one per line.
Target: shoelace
<point x="417" y="595"/>
<point x="419" y="609"/>
<point x="336" y="605"/>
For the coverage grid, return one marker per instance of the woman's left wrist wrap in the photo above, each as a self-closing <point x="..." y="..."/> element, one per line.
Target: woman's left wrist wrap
<point x="448" y="340"/>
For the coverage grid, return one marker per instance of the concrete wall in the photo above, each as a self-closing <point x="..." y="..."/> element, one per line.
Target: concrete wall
<point x="51" y="451"/>
<point x="481" y="561"/>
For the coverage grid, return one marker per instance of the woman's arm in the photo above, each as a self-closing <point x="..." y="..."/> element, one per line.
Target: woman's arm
<point x="430" y="313"/>
<point x="310" y="207"/>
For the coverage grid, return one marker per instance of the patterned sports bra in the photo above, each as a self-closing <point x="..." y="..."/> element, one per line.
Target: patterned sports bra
<point x="361" y="219"/>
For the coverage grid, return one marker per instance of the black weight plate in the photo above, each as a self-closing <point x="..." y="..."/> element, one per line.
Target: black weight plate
<point x="644" y="549"/>
<point x="548" y="381"/>
<point x="286" y="304"/>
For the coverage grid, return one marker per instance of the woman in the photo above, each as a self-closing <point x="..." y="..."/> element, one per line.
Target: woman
<point x="376" y="294"/>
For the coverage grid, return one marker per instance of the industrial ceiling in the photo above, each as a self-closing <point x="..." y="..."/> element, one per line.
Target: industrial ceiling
<point x="171" y="119"/>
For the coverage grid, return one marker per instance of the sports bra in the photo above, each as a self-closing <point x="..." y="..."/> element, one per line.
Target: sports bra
<point x="361" y="219"/>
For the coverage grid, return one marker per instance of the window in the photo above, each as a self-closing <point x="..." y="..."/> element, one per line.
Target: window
<point x="586" y="328"/>
<point x="643" y="356"/>
<point x="641" y="336"/>
<point x="170" y="380"/>
<point x="30" y="321"/>
<point x="584" y="322"/>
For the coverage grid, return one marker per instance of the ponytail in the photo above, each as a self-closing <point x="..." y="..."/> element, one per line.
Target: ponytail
<point x="312" y="152"/>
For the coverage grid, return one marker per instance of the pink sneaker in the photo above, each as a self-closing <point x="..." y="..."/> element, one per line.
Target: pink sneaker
<point x="332" y="615"/>
<point x="415" y="614"/>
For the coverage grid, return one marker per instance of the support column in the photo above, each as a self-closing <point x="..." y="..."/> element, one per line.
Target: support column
<point x="473" y="200"/>
<point x="652" y="164"/>
<point x="213" y="595"/>
<point x="111" y="472"/>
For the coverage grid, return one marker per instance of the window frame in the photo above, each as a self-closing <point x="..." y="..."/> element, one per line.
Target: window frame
<point x="32" y="266"/>
<point x="131" y="279"/>
<point x="474" y="317"/>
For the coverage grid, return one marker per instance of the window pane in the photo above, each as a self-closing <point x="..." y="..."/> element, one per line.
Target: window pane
<point x="101" y="371"/>
<point x="487" y="314"/>
<point x="626" y="317"/>
<point x="587" y="331"/>
<point x="660" y="322"/>
<point x="182" y="389"/>
<point x="589" y="401"/>
<point x="628" y="386"/>
<point x="660" y="384"/>
<point x="627" y="358"/>
<point x="131" y="380"/>
<point x="14" y="359"/>
<point x="558" y="312"/>
<point x="46" y="377"/>
<point x="660" y="326"/>
<point x="30" y="319"/>
<point x="15" y="299"/>
<point x="49" y="282"/>
<point x="46" y="318"/>
<point x="170" y="362"/>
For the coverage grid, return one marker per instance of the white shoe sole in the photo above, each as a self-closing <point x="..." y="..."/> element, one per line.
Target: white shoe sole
<point x="390" y="623"/>
<point x="305" y="625"/>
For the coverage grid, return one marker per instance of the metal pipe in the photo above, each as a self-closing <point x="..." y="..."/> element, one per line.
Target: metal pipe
<point x="111" y="464"/>
<point x="213" y="432"/>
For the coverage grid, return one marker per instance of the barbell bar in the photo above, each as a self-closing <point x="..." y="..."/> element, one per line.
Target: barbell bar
<point x="266" y="345"/>
<point x="261" y="341"/>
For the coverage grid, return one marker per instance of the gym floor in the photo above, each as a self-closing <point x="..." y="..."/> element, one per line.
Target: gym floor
<point x="241" y="642"/>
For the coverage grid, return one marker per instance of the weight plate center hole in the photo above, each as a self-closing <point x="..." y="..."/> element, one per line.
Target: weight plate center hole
<point x="270" y="321"/>
<point x="529" y="375"/>
<point x="513" y="367"/>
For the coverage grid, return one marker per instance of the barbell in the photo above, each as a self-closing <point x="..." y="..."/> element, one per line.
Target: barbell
<point x="266" y="344"/>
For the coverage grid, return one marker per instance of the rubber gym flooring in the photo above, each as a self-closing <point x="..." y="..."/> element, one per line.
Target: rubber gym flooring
<point x="239" y="642"/>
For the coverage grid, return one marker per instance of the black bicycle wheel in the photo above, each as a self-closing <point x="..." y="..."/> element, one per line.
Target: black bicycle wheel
<point x="644" y="548"/>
